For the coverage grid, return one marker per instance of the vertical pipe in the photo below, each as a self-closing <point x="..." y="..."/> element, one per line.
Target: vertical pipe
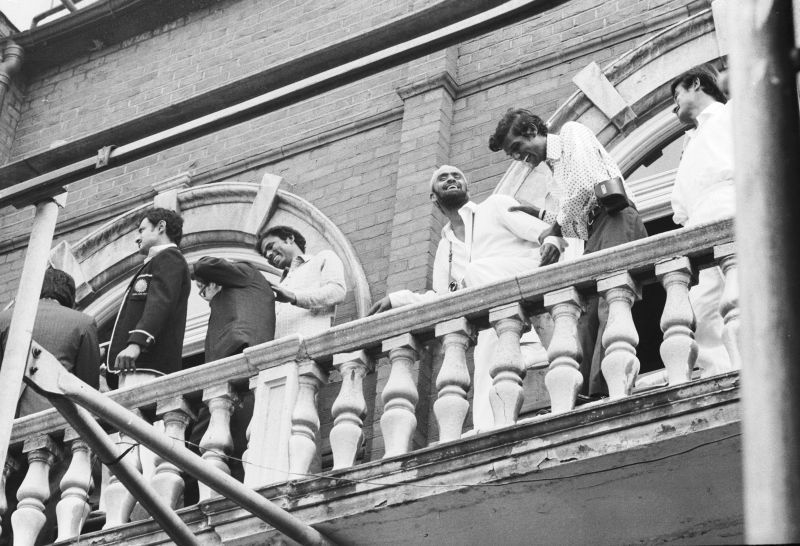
<point x="21" y="327"/>
<point x="767" y="147"/>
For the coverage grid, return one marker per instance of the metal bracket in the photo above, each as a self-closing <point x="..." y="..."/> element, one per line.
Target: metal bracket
<point x="103" y="156"/>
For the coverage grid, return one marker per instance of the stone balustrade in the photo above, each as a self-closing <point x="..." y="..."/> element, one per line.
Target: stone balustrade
<point x="396" y="370"/>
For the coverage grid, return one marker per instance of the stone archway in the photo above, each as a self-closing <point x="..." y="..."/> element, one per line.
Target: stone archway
<point x="220" y="219"/>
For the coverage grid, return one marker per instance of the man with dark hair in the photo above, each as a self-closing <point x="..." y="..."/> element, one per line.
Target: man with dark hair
<point x="578" y="162"/>
<point x="147" y="339"/>
<point x="310" y="287"/>
<point x="242" y="315"/>
<point x="704" y="192"/>
<point x="69" y="335"/>
<point x="242" y="306"/>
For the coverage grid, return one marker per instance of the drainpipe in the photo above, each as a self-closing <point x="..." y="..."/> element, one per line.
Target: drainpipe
<point x="10" y="64"/>
<point x="69" y="5"/>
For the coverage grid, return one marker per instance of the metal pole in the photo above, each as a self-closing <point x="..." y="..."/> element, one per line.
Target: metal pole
<point x="767" y="147"/>
<point x="24" y="316"/>
<point x="49" y="378"/>
<point x="132" y="479"/>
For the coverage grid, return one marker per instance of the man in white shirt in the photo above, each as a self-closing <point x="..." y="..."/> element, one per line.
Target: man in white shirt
<point x="481" y="243"/>
<point x="311" y="285"/>
<point x="704" y="192"/>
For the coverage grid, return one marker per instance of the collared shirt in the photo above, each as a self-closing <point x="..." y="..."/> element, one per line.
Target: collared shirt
<point x="156" y="249"/>
<point x="318" y="283"/>
<point x="704" y="187"/>
<point x="498" y="244"/>
<point x="578" y="162"/>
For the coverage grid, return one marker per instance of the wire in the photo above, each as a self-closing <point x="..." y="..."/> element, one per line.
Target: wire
<point x="461" y="485"/>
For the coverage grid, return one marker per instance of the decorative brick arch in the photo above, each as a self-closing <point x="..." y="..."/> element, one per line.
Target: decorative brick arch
<point x="220" y="219"/>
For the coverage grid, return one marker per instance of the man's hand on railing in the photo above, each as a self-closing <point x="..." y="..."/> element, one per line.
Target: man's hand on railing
<point x="549" y="254"/>
<point x="126" y="359"/>
<point x="383" y="304"/>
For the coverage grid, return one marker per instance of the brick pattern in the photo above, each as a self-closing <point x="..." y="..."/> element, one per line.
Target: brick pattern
<point x="374" y="184"/>
<point x="424" y="145"/>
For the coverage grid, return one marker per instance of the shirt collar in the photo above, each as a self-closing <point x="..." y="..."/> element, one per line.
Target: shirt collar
<point x="471" y="206"/>
<point x="709" y="111"/>
<point x="156" y="249"/>
<point x="553" y="149"/>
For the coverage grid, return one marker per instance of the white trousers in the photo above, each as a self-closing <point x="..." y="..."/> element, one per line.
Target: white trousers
<point x="712" y="356"/>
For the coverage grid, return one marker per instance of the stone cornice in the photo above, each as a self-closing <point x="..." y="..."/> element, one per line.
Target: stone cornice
<point x="443" y="79"/>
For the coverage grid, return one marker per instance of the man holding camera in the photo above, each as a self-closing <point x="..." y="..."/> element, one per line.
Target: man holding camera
<point x="578" y="162"/>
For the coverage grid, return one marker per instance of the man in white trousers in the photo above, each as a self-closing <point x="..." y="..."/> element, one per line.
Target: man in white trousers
<point x="480" y="244"/>
<point x="704" y="192"/>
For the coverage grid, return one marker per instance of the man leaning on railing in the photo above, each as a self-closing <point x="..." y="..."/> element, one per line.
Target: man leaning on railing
<point x="480" y="244"/>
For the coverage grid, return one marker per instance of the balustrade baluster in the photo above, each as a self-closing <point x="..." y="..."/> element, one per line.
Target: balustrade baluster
<point x="679" y="349"/>
<point x="11" y="466"/>
<point x="28" y="519"/>
<point x="268" y="435"/>
<point x="73" y="508"/>
<point x="507" y="369"/>
<point x="305" y="417"/>
<point x="563" y="378"/>
<point x="620" y="366"/>
<point x="167" y="479"/>
<point x="118" y="502"/>
<point x="729" y="303"/>
<point x="349" y="408"/>
<point x="453" y="382"/>
<point x="400" y="395"/>
<point x="217" y="440"/>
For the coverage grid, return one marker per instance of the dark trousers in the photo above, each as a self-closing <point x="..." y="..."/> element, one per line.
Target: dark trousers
<point x="605" y="231"/>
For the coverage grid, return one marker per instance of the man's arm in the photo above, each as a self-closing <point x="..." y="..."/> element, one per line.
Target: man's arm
<point x="441" y="281"/>
<point x="223" y="272"/>
<point x="529" y="228"/>
<point x="331" y="289"/>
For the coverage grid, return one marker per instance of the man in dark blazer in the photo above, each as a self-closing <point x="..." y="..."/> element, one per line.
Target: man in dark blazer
<point x="69" y="335"/>
<point x="242" y="306"/>
<point x="242" y="315"/>
<point x="148" y="333"/>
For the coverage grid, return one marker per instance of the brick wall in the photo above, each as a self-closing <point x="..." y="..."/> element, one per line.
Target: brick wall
<point x="372" y="183"/>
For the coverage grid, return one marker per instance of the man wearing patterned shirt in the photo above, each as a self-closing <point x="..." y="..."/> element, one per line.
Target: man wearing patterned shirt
<point x="578" y="162"/>
<point x="311" y="285"/>
<point x="704" y="192"/>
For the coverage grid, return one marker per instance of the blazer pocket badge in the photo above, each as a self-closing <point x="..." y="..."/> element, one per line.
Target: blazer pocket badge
<point x="140" y="287"/>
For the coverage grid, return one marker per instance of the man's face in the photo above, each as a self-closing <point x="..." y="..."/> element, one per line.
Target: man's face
<point x="206" y="290"/>
<point x="279" y="252"/>
<point x="686" y="103"/>
<point x="149" y="235"/>
<point x="450" y="189"/>
<point x="530" y="147"/>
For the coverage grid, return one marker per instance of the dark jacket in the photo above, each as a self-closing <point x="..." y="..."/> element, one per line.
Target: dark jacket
<point x="153" y="313"/>
<point x="69" y="335"/>
<point x="242" y="313"/>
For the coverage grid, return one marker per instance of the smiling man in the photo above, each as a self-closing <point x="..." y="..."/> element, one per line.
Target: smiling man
<point x="578" y="162"/>
<point x="311" y="285"/>
<point x="147" y="339"/>
<point x="480" y="244"/>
